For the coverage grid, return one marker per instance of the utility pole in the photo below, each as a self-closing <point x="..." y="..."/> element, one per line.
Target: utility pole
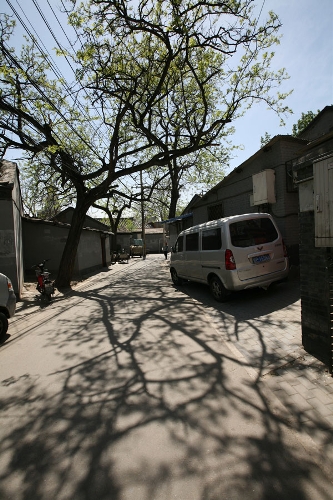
<point x="143" y="226"/>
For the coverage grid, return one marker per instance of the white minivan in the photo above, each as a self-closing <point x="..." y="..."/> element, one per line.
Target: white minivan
<point x="230" y="254"/>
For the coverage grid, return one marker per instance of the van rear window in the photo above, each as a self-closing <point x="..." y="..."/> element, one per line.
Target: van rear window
<point x="211" y="239"/>
<point x="251" y="232"/>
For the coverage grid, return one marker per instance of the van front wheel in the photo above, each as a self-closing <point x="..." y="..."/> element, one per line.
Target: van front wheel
<point x="175" y="278"/>
<point x="219" y="292"/>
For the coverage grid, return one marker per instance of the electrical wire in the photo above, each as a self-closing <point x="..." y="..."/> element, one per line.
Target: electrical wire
<point x="64" y="32"/>
<point x="52" y="32"/>
<point x="97" y="131"/>
<point x="46" y="98"/>
<point x="43" y="50"/>
<point x="53" y="66"/>
<point x="263" y="3"/>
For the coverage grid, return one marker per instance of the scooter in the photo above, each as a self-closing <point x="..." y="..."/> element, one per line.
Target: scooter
<point x="45" y="285"/>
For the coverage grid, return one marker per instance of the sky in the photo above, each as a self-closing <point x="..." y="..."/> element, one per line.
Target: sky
<point x="305" y="50"/>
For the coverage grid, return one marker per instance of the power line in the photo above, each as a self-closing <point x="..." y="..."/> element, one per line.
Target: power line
<point x="46" y="98"/>
<point x="56" y="71"/>
<point x="64" y="32"/>
<point x="96" y="131"/>
<point x="53" y="66"/>
<point x="263" y="3"/>
<point x="51" y="31"/>
<point x="61" y="48"/>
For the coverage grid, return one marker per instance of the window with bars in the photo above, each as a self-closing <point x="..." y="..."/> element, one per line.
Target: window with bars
<point x="215" y="212"/>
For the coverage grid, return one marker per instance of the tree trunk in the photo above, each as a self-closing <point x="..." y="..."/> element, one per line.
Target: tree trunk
<point x="67" y="262"/>
<point x="173" y="205"/>
<point x="174" y="197"/>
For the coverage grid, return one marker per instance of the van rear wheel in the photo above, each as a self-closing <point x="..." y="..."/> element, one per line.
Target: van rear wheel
<point x="3" y="325"/>
<point x="175" y="278"/>
<point x="219" y="292"/>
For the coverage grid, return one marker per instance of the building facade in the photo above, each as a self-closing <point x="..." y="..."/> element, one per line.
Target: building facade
<point x="11" y="247"/>
<point x="27" y="241"/>
<point x="313" y="174"/>
<point x="263" y="183"/>
<point x="46" y="240"/>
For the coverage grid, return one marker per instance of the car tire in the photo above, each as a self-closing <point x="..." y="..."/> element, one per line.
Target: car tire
<point x="3" y="325"/>
<point x="219" y="292"/>
<point x="175" y="278"/>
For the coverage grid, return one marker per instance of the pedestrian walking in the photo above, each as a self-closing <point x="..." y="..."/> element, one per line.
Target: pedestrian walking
<point x="165" y="251"/>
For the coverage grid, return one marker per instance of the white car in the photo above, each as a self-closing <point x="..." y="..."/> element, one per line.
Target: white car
<point x="7" y="303"/>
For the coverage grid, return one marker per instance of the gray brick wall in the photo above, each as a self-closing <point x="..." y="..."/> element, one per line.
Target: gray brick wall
<point x="316" y="274"/>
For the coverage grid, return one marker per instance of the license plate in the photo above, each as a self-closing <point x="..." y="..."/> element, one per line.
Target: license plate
<point x="261" y="258"/>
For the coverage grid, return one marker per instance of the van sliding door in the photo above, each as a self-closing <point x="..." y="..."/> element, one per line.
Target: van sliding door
<point x="212" y="256"/>
<point x="192" y="255"/>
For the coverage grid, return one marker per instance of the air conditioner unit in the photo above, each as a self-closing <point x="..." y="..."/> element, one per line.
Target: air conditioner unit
<point x="264" y="187"/>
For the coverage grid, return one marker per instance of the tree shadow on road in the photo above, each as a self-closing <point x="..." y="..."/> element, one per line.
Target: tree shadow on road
<point x="146" y="403"/>
<point x="264" y="325"/>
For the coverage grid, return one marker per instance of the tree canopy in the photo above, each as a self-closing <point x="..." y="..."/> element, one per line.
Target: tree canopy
<point x="303" y="122"/>
<point x="158" y="83"/>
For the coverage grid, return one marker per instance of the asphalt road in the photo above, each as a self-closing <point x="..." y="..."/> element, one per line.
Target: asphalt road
<point x="131" y="389"/>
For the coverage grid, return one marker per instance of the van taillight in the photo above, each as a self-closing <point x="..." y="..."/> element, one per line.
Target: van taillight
<point x="10" y="286"/>
<point x="285" y="253"/>
<point x="229" y="260"/>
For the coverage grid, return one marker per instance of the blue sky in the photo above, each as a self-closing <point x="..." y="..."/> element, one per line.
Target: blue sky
<point x="306" y="51"/>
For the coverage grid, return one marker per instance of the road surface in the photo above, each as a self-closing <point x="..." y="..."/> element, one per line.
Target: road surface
<point x="126" y="390"/>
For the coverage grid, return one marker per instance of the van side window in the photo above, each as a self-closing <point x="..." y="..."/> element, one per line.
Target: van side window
<point x="251" y="232"/>
<point x="192" y="242"/>
<point x="179" y="244"/>
<point x="211" y="239"/>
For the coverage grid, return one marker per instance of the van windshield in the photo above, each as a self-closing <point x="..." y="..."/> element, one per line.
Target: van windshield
<point x="252" y="232"/>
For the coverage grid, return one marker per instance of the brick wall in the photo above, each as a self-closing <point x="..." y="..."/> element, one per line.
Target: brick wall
<point x="316" y="277"/>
